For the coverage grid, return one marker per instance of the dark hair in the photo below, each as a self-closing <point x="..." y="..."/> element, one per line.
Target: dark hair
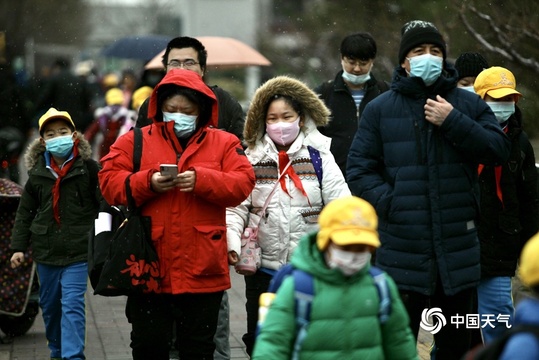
<point x="359" y="46"/>
<point x="183" y="42"/>
<point x="287" y="99"/>
<point x="203" y="102"/>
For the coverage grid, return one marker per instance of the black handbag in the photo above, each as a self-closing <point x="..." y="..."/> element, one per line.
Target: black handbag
<point x="132" y="264"/>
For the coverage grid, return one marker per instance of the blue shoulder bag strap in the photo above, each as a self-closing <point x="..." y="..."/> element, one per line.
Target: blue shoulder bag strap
<point x="317" y="163"/>
<point x="383" y="292"/>
<point x="303" y="294"/>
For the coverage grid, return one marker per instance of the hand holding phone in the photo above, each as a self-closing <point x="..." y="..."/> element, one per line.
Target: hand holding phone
<point x="169" y="169"/>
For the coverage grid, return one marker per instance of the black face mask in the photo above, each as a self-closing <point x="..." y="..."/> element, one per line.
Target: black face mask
<point x="153" y="79"/>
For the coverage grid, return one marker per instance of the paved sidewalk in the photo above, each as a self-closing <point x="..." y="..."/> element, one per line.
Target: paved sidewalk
<point x="108" y="329"/>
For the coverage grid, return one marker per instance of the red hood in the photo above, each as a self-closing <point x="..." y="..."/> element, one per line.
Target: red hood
<point x="188" y="79"/>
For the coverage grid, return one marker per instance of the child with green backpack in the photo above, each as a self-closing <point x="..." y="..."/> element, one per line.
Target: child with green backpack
<point x="345" y="318"/>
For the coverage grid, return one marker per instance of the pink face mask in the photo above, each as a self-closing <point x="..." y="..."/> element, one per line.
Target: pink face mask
<point x="283" y="133"/>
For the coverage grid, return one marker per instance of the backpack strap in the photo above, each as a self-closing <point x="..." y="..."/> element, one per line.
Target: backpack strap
<point x="137" y="149"/>
<point x="317" y="163"/>
<point x="303" y="298"/>
<point x="279" y="276"/>
<point x="137" y="154"/>
<point x="383" y="293"/>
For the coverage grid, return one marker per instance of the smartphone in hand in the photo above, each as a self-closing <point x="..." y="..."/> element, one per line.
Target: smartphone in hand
<point x="169" y="169"/>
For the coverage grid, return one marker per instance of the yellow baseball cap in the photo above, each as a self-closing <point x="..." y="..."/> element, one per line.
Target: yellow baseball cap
<point x="52" y="113"/>
<point x="346" y="221"/>
<point x="529" y="262"/>
<point x="140" y="95"/>
<point x="114" y="96"/>
<point x="497" y="82"/>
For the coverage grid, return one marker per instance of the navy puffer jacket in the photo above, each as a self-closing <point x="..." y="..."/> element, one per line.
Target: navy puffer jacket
<point x="422" y="180"/>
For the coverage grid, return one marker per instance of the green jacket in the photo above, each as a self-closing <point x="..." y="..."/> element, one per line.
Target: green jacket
<point x="344" y="317"/>
<point x="35" y="226"/>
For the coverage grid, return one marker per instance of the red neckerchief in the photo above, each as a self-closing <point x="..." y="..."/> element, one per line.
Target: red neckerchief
<point x="61" y="173"/>
<point x="283" y="160"/>
<point x="497" y="175"/>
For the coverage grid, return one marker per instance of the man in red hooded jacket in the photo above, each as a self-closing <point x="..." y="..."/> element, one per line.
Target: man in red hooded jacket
<point x="187" y="212"/>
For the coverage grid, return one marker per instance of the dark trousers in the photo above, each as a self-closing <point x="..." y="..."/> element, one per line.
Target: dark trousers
<point x="254" y="286"/>
<point x="152" y="316"/>
<point x="451" y="342"/>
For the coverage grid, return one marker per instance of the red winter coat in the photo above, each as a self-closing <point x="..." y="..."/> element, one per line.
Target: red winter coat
<point x="188" y="228"/>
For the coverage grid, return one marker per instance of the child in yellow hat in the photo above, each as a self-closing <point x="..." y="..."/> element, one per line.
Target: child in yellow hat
<point x="56" y="212"/>
<point x="344" y="316"/>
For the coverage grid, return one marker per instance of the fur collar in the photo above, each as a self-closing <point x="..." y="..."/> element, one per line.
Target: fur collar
<point x="316" y="113"/>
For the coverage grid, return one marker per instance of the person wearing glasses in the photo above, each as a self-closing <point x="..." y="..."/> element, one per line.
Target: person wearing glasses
<point x="189" y="53"/>
<point x="348" y="94"/>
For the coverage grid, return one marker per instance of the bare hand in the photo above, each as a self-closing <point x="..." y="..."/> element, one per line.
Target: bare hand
<point x="233" y="258"/>
<point x="436" y="111"/>
<point x="162" y="183"/>
<point x="186" y="180"/>
<point x="17" y="259"/>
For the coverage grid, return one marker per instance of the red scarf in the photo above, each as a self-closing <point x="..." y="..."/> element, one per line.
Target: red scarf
<point x="283" y="160"/>
<point x="61" y="173"/>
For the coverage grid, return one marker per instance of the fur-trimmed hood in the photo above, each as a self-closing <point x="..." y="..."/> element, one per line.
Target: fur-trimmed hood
<point x="36" y="149"/>
<point x="316" y="112"/>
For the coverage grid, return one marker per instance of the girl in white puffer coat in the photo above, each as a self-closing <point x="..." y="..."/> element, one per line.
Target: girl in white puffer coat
<point x="280" y="127"/>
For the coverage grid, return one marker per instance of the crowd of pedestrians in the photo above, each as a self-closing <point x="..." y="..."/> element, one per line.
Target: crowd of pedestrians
<point x="426" y="180"/>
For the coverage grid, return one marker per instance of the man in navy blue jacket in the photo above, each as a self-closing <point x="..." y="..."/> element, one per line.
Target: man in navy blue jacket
<point x="415" y="158"/>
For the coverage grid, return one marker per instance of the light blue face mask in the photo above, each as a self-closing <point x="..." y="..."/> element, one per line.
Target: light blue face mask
<point x="184" y="125"/>
<point x="428" y="67"/>
<point x="60" y="146"/>
<point x="502" y="109"/>
<point x="356" y="79"/>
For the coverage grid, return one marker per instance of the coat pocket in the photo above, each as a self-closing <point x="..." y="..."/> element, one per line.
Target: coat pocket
<point x="211" y="250"/>
<point x="38" y="229"/>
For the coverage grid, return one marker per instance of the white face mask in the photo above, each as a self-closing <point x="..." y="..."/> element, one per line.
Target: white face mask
<point x="349" y="262"/>
<point x="283" y="133"/>
<point x="502" y="109"/>
<point x="356" y="79"/>
<point x="468" y="88"/>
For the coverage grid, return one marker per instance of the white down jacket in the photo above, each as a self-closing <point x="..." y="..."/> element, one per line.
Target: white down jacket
<point x="287" y="217"/>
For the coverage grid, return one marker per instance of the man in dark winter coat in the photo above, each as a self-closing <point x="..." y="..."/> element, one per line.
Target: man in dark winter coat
<point x="346" y="96"/>
<point x="415" y="159"/>
<point x="509" y="204"/>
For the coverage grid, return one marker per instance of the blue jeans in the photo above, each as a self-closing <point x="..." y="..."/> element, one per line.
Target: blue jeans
<point x="495" y="298"/>
<point x="61" y="298"/>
